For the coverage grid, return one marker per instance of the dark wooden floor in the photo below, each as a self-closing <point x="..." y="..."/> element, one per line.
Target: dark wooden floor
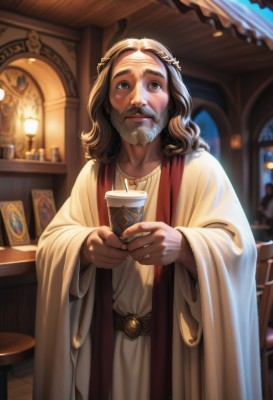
<point x="20" y="381"/>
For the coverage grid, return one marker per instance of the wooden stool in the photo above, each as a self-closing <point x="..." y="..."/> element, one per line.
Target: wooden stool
<point x="14" y="348"/>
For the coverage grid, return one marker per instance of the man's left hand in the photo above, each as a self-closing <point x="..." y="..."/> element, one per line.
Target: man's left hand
<point x="158" y="243"/>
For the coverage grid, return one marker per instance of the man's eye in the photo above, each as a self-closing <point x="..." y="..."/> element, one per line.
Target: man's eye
<point x="123" y="85"/>
<point x="155" y="85"/>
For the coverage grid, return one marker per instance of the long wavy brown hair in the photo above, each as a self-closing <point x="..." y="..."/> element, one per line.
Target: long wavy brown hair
<point x="181" y="136"/>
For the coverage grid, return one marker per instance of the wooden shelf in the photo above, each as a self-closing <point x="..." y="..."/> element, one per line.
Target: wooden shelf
<point x="31" y="166"/>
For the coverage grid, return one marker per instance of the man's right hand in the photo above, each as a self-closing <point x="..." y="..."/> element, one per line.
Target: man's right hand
<point x="103" y="248"/>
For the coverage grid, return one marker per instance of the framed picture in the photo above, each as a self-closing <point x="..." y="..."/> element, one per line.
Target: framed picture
<point x="15" y="222"/>
<point x="44" y="209"/>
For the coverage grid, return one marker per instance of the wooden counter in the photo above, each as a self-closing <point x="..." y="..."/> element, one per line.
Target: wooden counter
<point x="16" y="262"/>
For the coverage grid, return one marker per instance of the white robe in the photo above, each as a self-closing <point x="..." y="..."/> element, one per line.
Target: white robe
<point x="215" y="337"/>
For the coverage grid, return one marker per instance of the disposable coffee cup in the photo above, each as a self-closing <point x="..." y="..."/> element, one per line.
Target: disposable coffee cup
<point x="125" y="208"/>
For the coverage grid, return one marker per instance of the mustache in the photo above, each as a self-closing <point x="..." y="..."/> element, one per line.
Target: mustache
<point x="143" y="110"/>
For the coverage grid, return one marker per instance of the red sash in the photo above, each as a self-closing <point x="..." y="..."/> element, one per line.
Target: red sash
<point x="162" y="299"/>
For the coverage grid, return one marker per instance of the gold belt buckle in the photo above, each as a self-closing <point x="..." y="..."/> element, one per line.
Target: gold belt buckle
<point x="132" y="325"/>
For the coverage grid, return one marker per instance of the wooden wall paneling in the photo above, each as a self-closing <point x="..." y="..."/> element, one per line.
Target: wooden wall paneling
<point x="18" y="303"/>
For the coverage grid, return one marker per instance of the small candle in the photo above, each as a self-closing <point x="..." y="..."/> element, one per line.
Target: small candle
<point x="126" y="185"/>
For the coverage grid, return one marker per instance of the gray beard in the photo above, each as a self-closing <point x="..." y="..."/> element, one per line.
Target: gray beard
<point x="139" y="134"/>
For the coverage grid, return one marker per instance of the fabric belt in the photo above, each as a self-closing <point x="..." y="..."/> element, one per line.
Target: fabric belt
<point x="133" y="325"/>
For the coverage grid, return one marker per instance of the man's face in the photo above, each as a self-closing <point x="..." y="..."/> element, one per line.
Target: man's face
<point x="139" y="97"/>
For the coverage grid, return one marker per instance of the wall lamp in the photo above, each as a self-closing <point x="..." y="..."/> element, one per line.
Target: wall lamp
<point x="31" y="127"/>
<point x="2" y="93"/>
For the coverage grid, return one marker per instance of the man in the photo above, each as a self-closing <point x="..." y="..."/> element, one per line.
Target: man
<point x="265" y="208"/>
<point x="172" y="314"/>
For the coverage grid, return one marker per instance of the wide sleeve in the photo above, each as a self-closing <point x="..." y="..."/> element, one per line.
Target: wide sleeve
<point x="224" y="312"/>
<point x="63" y="291"/>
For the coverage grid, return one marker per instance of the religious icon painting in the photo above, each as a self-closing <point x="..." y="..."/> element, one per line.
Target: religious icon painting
<point x="15" y="222"/>
<point x="44" y="209"/>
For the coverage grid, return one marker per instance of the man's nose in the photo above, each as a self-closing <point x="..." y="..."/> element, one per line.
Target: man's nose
<point x="139" y="96"/>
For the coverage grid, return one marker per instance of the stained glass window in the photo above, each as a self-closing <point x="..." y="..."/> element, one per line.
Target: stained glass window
<point x="209" y="131"/>
<point x="265" y="140"/>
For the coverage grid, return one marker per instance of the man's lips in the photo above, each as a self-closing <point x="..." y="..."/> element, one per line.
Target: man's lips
<point x="138" y="117"/>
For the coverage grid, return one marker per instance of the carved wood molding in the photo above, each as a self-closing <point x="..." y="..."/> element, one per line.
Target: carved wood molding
<point x="33" y="46"/>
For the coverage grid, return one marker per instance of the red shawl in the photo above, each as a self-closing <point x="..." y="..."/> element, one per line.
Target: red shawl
<point x="162" y="299"/>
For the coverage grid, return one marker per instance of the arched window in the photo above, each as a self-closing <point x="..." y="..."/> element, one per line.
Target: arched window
<point x="265" y="141"/>
<point x="209" y="131"/>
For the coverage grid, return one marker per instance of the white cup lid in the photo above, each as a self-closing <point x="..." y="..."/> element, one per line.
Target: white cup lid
<point x="123" y="194"/>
